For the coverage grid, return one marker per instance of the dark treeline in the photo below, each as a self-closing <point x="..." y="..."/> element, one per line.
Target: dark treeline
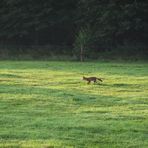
<point x="98" y="25"/>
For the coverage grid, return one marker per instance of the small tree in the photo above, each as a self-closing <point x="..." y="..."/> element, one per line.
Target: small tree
<point x="82" y="41"/>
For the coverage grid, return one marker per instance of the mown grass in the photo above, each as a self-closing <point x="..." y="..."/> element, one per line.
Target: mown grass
<point x="46" y="104"/>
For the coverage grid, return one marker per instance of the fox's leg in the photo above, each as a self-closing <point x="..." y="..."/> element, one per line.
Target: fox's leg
<point x="95" y="81"/>
<point x="88" y="82"/>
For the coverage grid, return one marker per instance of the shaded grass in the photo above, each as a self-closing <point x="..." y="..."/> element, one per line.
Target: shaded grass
<point x="46" y="104"/>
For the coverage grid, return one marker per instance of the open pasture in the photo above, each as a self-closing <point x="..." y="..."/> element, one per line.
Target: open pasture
<point x="47" y="104"/>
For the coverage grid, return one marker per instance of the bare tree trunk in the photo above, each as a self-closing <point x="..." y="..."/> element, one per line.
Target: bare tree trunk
<point x="81" y="54"/>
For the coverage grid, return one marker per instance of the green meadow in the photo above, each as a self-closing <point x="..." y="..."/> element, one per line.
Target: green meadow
<point x="46" y="104"/>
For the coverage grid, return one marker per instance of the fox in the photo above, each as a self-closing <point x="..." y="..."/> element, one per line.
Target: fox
<point x="94" y="79"/>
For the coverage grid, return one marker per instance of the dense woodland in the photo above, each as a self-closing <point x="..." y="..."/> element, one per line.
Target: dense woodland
<point x="99" y="26"/>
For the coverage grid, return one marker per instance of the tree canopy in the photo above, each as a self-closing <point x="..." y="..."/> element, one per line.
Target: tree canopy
<point x="56" y="22"/>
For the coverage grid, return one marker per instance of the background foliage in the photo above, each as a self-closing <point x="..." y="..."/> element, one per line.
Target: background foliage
<point x="114" y="23"/>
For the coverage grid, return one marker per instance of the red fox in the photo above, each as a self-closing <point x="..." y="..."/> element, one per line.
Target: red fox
<point x="94" y="79"/>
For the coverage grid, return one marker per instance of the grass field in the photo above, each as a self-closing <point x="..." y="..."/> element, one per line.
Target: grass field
<point x="46" y="105"/>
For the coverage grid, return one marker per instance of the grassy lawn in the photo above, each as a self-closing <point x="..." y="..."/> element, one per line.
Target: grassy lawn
<point x="47" y="104"/>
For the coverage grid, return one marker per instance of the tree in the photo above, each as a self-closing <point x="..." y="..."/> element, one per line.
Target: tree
<point x="82" y="41"/>
<point x="34" y="21"/>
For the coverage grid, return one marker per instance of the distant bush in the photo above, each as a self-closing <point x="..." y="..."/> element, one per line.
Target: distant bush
<point x="35" y="52"/>
<point x="56" y="52"/>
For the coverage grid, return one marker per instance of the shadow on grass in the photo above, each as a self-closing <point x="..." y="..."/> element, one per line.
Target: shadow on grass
<point x="118" y="84"/>
<point x="10" y="76"/>
<point x="75" y="97"/>
<point x="123" y="85"/>
<point x="63" y="83"/>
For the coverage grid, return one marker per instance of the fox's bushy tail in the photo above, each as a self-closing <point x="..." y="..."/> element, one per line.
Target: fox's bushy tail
<point x="100" y="79"/>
